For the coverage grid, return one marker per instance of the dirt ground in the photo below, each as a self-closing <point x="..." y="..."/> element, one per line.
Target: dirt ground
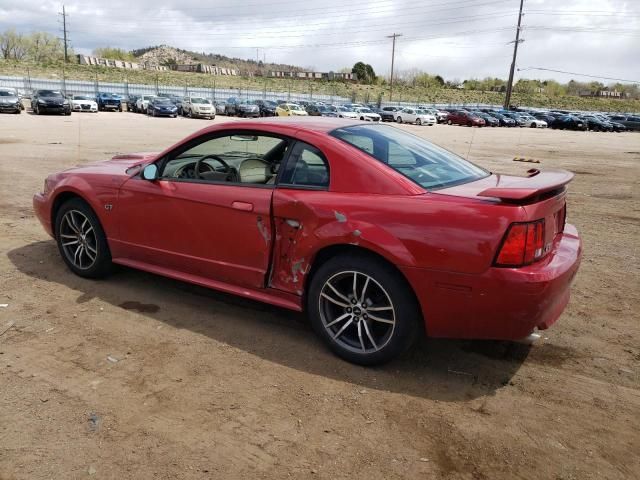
<point x="143" y="377"/>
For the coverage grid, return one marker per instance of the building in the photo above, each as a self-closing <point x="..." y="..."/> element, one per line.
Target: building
<point x="314" y="75"/>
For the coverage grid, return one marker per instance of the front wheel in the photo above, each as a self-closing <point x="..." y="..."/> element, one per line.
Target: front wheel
<point x="399" y="119"/>
<point x="363" y="309"/>
<point x="419" y="122"/>
<point x="81" y="241"/>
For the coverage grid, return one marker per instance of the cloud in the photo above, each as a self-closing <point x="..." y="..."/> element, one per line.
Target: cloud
<point x="455" y="38"/>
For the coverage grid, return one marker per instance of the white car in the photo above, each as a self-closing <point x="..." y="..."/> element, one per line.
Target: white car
<point x="532" y="122"/>
<point x="82" y="103"/>
<point x="197" y="107"/>
<point x="367" y="115"/>
<point x="413" y="115"/>
<point x="143" y="102"/>
<point x="345" y="112"/>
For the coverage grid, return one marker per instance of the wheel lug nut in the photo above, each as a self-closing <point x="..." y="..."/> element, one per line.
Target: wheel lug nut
<point x="353" y="300"/>
<point x="349" y="310"/>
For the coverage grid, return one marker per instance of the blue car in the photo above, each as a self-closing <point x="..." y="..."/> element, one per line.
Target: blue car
<point x="109" y="101"/>
<point x="161" y="107"/>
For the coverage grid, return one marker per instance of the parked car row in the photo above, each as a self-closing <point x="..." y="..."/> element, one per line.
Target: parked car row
<point x="169" y="105"/>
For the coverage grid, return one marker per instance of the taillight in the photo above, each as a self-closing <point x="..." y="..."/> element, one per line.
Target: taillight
<point x="523" y="244"/>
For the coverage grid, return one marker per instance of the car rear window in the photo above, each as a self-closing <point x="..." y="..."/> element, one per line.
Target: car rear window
<point x="428" y="165"/>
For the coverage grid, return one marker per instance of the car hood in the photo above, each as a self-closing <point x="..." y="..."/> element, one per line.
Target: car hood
<point x="118" y="165"/>
<point x="11" y="99"/>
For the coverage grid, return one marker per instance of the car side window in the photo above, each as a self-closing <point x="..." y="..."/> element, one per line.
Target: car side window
<point x="236" y="158"/>
<point x="306" y="167"/>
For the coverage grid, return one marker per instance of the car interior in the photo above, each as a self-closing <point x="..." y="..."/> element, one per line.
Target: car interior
<point x="248" y="159"/>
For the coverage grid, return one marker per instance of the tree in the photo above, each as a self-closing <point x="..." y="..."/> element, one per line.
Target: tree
<point x="13" y="46"/>
<point x="44" y="47"/>
<point x="364" y="72"/>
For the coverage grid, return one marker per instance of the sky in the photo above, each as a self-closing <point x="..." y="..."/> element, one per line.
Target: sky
<point x="456" y="39"/>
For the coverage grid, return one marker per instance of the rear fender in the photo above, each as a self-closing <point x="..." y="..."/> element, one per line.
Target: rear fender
<point x="298" y="243"/>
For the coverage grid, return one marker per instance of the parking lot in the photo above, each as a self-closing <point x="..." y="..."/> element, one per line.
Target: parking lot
<point x="143" y="377"/>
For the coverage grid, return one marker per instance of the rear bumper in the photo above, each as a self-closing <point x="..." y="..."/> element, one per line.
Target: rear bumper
<point x="501" y="303"/>
<point x="42" y="209"/>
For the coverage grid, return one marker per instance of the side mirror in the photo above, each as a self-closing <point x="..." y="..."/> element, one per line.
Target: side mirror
<point x="150" y="172"/>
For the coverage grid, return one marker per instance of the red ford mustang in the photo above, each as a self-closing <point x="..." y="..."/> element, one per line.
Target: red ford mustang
<point x="375" y="233"/>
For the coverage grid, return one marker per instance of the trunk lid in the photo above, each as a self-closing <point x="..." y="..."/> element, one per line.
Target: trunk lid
<point x="539" y="196"/>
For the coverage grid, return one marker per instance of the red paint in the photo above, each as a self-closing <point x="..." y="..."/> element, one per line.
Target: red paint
<point x="261" y="243"/>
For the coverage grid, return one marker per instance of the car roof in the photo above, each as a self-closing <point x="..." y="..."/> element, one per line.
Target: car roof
<point x="310" y="124"/>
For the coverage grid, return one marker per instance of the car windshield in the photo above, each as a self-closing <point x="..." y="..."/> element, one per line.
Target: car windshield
<point x="293" y="106"/>
<point x="199" y="100"/>
<point x="344" y="109"/>
<point x="49" y="93"/>
<point x="365" y="110"/>
<point x="80" y="97"/>
<point x="6" y="93"/>
<point x="426" y="164"/>
<point x="162" y="101"/>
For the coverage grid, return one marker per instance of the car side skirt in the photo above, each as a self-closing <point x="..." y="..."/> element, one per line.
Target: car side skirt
<point x="268" y="295"/>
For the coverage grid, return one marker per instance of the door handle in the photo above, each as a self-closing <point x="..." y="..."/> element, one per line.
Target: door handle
<point x="244" y="206"/>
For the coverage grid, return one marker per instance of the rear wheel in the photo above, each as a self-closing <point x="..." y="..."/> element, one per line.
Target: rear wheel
<point x="363" y="309"/>
<point x="449" y="122"/>
<point x="469" y="124"/>
<point x="399" y="119"/>
<point x="81" y="241"/>
<point x="419" y="122"/>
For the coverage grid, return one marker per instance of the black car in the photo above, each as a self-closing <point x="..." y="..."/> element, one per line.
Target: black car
<point x="490" y="120"/>
<point x="161" y="107"/>
<point x="630" y="122"/>
<point x="267" y="107"/>
<point x="503" y="120"/>
<point x="596" y="124"/>
<point x="388" y="114"/>
<point x="569" y="122"/>
<point x="547" y="117"/>
<point x="10" y="101"/>
<point x="241" y="108"/>
<point x="131" y="103"/>
<point x="316" y="110"/>
<point x="50" y="101"/>
<point x="109" y="101"/>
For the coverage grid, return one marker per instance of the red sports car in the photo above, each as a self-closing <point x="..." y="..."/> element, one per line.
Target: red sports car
<point x="376" y="233"/>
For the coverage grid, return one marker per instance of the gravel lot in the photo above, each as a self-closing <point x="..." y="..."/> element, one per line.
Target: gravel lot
<point x="143" y="377"/>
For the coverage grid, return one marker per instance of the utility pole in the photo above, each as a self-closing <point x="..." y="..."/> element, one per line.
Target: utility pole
<point x="64" y="32"/>
<point x="393" y="56"/>
<point x="507" y="100"/>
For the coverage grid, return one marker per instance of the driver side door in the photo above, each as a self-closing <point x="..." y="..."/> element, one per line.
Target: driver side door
<point x="208" y="229"/>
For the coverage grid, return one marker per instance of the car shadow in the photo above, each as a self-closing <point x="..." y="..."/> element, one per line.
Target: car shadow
<point x="444" y="370"/>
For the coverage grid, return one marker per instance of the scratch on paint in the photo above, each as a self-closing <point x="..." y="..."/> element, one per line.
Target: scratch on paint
<point x="263" y="230"/>
<point x="340" y="216"/>
<point x="357" y="233"/>
<point x="296" y="268"/>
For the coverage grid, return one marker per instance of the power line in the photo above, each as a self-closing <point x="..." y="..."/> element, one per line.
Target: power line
<point x="580" y="74"/>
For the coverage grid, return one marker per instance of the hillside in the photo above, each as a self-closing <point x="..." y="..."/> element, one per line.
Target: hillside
<point x="360" y="93"/>
<point x="164" y="55"/>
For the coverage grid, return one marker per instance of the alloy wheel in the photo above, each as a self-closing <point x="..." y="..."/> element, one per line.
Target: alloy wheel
<point x="78" y="239"/>
<point x="357" y="312"/>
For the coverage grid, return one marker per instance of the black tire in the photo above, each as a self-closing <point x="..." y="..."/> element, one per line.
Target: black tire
<point x="399" y="120"/>
<point x="449" y="122"/>
<point x="406" y="312"/>
<point x="418" y="121"/>
<point x="469" y="124"/>
<point x="102" y="265"/>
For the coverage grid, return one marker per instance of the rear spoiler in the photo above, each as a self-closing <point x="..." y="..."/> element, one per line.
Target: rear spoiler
<point x="536" y="183"/>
